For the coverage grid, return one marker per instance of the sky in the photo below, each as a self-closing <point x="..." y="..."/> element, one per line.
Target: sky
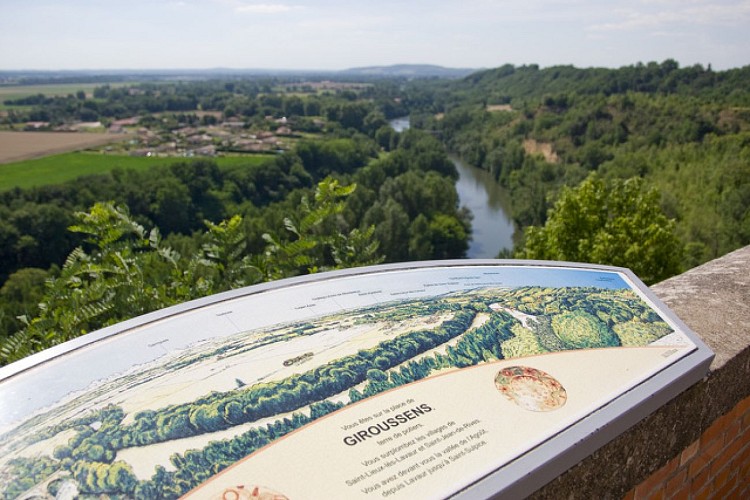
<point x="341" y="34"/>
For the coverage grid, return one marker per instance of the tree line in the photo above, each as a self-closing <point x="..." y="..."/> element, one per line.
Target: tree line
<point x="247" y="99"/>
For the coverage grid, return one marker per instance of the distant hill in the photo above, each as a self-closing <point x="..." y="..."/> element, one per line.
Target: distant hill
<point x="411" y="71"/>
<point x="29" y="77"/>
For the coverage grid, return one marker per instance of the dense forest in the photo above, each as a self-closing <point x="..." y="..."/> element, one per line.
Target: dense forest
<point x="656" y="156"/>
<point x="401" y="204"/>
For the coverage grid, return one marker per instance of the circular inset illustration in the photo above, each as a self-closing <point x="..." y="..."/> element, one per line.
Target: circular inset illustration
<point x="249" y="493"/>
<point x="531" y="389"/>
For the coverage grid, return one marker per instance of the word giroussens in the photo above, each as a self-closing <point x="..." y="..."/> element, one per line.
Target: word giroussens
<point x="387" y="424"/>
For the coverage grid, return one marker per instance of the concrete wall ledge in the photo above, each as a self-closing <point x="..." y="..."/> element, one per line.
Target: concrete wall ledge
<point x="714" y="301"/>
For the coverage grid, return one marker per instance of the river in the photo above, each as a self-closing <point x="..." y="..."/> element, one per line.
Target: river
<point x="492" y="227"/>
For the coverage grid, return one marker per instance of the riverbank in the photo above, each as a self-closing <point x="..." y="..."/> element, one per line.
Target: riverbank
<point x="489" y="203"/>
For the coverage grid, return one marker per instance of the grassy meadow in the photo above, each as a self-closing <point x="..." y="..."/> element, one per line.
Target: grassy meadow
<point x="60" y="168"/>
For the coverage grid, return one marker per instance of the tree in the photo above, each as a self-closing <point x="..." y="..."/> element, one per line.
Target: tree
<point x="172" y="208"/>
<point x="19" y="296"/>
<point x="618" y="224"/>
<point x="391" y="228"/>
<point x="353" y="115"/>
<point x="386" y="137"/>
<point x="43" y="238"/>
<point x="420" y="244"/>
<point x="449" y="237"/>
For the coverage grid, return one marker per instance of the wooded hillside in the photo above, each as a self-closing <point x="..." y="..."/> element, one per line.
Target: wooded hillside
<point x="685" y="131"/>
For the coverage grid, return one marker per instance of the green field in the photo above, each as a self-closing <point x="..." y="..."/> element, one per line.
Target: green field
<point x="57" y="169"/>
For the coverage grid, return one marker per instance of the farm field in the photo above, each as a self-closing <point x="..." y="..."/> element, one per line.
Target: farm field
<point x="17" y="146"/>
<point x="60" y="168"/>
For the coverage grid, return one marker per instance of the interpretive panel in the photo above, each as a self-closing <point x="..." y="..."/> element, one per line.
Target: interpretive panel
<point x="423" y="380"/>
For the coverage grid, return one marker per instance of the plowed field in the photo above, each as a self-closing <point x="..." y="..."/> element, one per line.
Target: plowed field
<point x="16" y="146"/>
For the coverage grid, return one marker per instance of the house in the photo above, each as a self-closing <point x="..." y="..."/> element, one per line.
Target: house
<point x="35" y="125"/>
<point x="127" y="122"/>
<point x="233" y="124"/>
<point x="199" y="139"/>
<point x="206" y="151"/>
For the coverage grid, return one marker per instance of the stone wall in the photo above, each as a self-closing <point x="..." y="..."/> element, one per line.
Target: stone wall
<point x="698" y="444"/>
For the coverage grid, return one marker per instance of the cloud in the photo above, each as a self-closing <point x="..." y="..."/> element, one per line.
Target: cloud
<point x="262" y="8"/>
<point x="661" y="14"/>
<point x="632" y="20"/>
<point x="243" y="7"/>
<point x="347" y="23"/>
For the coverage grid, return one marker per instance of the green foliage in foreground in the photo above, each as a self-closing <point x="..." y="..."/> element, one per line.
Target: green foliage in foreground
<point x="129" y="271"/>
<point x="416" y="211"/>
<point x="57" y="169"/>
<point x="618" y="224"/>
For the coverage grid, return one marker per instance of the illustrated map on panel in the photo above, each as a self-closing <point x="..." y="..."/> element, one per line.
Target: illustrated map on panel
<point x="382" y="384"/>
